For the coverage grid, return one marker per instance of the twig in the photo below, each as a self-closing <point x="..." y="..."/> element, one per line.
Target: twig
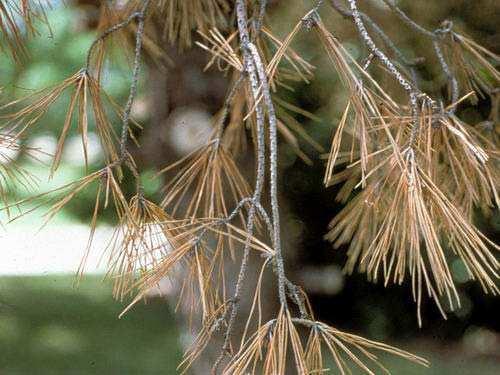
<point x="260" y="17"/>
<point x="124" y="156"/>
<point x="409" y="88"/>
<point x="407" y="20"/>
<point x="434" y="36"/>
<point x="273" y="146"/>
<point x="375" y="50"/>
<point x="259" y="183"/>
<point x="220" y="126"/>
<point x="446" y="28"/>
<point x="138" y="16"/>
<point x="233" y="214"/>
<point x="135" y="79"/>
<point x="109" y="32"/>
<point x="377" y="29"/>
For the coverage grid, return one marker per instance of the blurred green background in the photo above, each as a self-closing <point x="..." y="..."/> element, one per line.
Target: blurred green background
<point x="49" y="327"/>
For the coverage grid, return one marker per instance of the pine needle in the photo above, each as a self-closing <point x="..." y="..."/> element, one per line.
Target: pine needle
<point x="85" y="92"/>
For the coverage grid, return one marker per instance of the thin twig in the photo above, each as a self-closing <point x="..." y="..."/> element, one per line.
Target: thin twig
<point x="273" y="150"/>
<point x="260" y="17"/>
<point x="109" y="32"/>
<point x="378" y="30"/>
<point x="407" y="20"/>
<point x="259" y="182"/>
<point x="452" y="79"/>
<point x="227" y="105"/>
<point x="138" y="16"/>
<point x="434" y="36"/>
<point x="135" y="79"/>
<point x="409" y="88"/>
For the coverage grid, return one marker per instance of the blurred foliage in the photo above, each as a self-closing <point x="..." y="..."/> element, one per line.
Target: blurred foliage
<point x="47" y="328"/>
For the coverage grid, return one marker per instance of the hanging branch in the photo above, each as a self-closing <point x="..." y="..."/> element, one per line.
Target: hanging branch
<point x="413" y="93"/>
<point x="135" y="79"/>
<point x="138" y="16"/>
<point x="434" y="36"/>
<point x="273" y="142"/>
<point x="259" y="179"/>
<point x="335" y="4"/>
<point x="407" y="20"/>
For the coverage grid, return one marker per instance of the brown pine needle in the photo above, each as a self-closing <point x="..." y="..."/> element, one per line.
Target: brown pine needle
<point x="346" y="348"/>
<point x="186" y="251"/>
<point x="12" y="175"/>
<point x="85" y="93"/>
<point x="267" y="350"/>
<point x="181" y="17"/>
<point x="207" y="185"/>
<point x="11" y="12"/>
<point x="472" y="65"/>
<point x="138" y="245"/>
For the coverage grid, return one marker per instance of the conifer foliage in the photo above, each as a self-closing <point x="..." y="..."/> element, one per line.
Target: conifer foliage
<point x="411" y="171"/>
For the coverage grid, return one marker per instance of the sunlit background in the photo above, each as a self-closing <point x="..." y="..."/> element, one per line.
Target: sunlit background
<point x="50" y="324"/>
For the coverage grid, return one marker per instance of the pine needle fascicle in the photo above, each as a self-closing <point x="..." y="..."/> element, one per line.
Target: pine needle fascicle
<point x="474" y="66"/>
<point x="267" y="350"/>
<point x="108" y="190"/>
<point x="465" y="165"/>
<point x="345" y="348"/>
<point x="85" y="92"/>
<point x="368" y="113"/>
<point x="17" y="21"/>
<point x="181" y="17"/>
<point x="207" y="184"/>
<point x="12" y="174"/>
<point x="138" y="244"/>
<point x="403" y="222"/>
<point x="202" y="289"/>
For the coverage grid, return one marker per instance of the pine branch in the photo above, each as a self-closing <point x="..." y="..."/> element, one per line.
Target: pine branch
<point x="335" y="4"/>
<point x="413" y="93"/>
<point x="259" y="180"/>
